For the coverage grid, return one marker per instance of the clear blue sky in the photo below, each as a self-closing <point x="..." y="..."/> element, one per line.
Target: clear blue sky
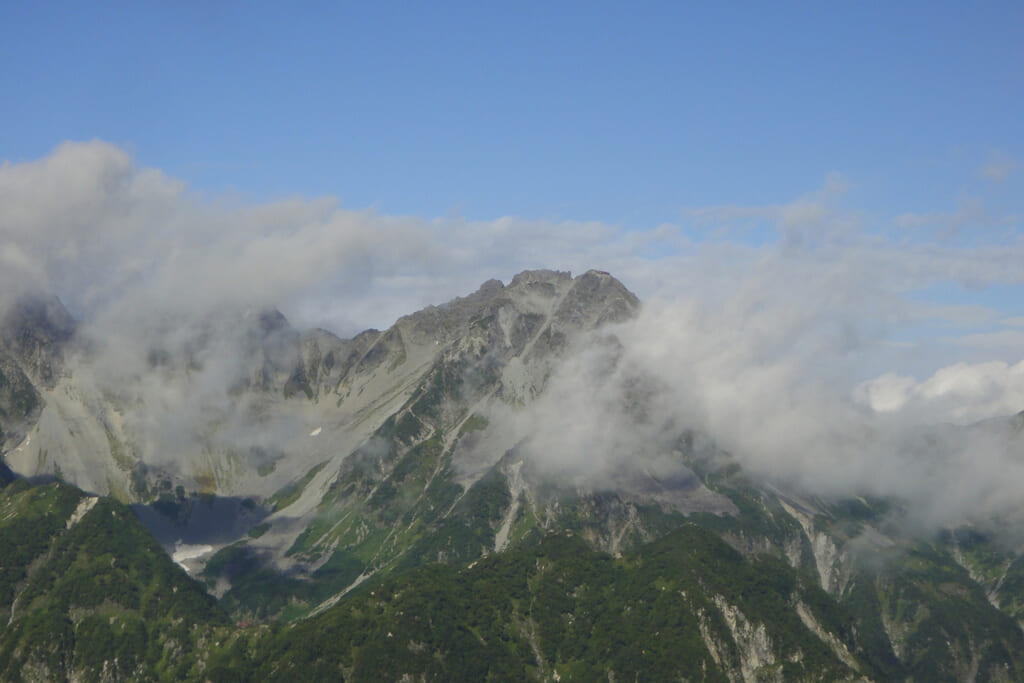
<point x="620" y="112"/>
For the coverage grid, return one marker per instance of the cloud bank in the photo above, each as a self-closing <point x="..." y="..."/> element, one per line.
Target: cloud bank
<point x="804" y="337"/>
<point x="774" y="397"/>
<point x="88" y="224"/>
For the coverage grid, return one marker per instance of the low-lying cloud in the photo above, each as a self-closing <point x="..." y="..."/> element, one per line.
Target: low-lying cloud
<point x="768" y="373"/>
<point x="798" y="336"/>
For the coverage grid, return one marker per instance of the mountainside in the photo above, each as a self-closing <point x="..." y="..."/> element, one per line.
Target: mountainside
<point x="390" y="496"/>
<point x="306" y="425"/>
<point x="91" y="597"/>
<point x="86" y="592"/>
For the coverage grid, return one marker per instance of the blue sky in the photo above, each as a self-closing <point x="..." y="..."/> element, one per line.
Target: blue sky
<point x="821" y="204"/>
<point x="676" y="144"/>
<point x="620" y="112"/>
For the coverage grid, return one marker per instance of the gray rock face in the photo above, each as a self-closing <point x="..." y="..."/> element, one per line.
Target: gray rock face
<point x="20" y="403"/>
<point x="34" y="332"/>
<point x="277" y="384"/>
<point x="33" y="335"/>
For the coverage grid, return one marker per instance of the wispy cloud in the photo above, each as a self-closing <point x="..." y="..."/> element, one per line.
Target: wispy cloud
<point x="960" y="393"/>
<point x="770" y="346"/>
<point x="88" y="224"/>
<point x="971" y="216"/>
<point x="768" y="379"/>
<point x="998" y="167"/>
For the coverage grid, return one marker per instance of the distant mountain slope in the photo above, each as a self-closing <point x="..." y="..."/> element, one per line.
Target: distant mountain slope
<point x="685" y="607"/>
<point x="305" y="478"/>
<point x="92" y="597"/>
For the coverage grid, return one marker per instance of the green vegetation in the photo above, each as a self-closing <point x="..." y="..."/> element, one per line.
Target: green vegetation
<point x="98" y="599"/>
<point x="290" y="493"/>
<point x="259" y="530"/>
<point x="944" y="622"/>
<point x="559" y="607"/>
<point x="473" y="423"/>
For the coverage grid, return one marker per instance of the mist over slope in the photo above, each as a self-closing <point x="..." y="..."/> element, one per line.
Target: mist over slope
<point x="757" y="409"/>
<point x="781" y="354"/>
<point x="773" y="404"/>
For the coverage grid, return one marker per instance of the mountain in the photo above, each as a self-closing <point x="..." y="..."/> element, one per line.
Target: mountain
<point x="389" y="498"/>
<point x="302" y="425"/>
<point x="92" y="597"/>
<point x="87" y="593"/>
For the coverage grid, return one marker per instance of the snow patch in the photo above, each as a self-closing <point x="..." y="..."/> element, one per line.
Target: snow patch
<point x="184" y="552"/>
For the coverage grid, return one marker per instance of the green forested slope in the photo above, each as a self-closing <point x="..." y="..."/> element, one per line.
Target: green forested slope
<point x="94" y="598"/>
<point x="89" y="595"/>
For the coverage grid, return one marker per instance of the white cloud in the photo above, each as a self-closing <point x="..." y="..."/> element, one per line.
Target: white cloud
<point x="763" y="345"/>
<point x="89" y="224"/>
<point x="887" y="393"/>
<point x="769" y="383"/>
<point x="115" y="240"/>
<point x="961" y="393"/>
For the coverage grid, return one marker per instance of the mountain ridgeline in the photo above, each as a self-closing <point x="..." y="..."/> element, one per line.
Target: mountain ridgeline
<point x="235" y="499"/>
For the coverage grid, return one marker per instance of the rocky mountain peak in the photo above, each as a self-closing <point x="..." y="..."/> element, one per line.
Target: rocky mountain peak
<point x="543" y="276"/>
<point x="597" y="298"/>
<point x="272" y="320"/>
<point x="596" y="292"/>
<point x="42" y="316"/>
<point x="490" y="288"/>
<point x="531" y="297"/>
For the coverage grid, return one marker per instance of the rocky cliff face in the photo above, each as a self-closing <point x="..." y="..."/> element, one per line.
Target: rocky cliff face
<point x="245" y="406"/>
<point x="33" y="334"/>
